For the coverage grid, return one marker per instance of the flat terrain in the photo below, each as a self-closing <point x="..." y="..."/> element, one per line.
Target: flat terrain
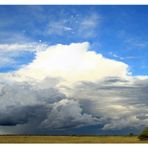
<point x="70" y="139"/>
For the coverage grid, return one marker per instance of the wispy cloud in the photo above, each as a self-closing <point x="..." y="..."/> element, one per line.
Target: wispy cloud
<point x="22" y="47"/>
<point x="77" y="26"/>
<point x="59" y="27"/>
<point x="123" y="58"/>
<point x="132" y="41"/>
<point x="88" y="24"/>
<point x="11" y="37"/>
<point x="11" y="54"/>
<point x="136" y="43"/>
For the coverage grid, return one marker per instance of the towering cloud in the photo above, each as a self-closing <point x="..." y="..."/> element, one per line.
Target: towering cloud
<point x="73" y="63"/>
<point x="68" y="87"/>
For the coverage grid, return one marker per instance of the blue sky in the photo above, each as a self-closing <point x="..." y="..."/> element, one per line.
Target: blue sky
<point x="117" y="32"/>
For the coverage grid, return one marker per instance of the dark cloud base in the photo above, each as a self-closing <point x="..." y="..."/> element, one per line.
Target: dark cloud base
<point x="109" y="107"/>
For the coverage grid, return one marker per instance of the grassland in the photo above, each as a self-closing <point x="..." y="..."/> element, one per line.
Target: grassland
<point x="70" y="139"/>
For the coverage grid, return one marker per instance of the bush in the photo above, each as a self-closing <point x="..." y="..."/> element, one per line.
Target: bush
<point x="130" y="134"/>
<point x="144" y="134"/>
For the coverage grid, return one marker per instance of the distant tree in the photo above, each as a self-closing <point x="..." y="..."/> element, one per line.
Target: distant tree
<point x="130" y="134"/>
<point x="144" y="134"/>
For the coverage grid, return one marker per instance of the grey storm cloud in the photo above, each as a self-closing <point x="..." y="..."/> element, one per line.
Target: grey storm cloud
<point x="28" y="108"/>
<point x="114" y="103"/>
<point x="22" y="115"/>
<point x="117" y="102"/>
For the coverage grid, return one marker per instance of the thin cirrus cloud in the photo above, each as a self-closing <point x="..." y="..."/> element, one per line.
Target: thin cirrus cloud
<point x="75" y="25"/>
<point x="13" y="53"/>
<point x="68" y="87"/>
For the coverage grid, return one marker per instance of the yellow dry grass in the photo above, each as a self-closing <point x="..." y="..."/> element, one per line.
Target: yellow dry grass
<point x="70" y="139"/>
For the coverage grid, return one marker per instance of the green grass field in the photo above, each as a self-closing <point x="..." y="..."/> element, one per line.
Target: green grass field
<point x="70" y="139"/>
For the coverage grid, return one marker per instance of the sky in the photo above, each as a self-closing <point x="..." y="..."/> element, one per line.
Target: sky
<point x="73" y="69"/>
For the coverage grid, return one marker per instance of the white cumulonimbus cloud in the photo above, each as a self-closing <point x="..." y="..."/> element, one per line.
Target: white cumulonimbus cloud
<point x="73" y="63"/>
<point x="71" y="86"/>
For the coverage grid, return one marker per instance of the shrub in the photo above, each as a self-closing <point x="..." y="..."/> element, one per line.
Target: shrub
<point x="144" y="134"/>
<point x="130" y="134"/>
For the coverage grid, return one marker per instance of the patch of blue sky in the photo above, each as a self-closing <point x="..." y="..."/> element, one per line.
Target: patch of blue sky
<point x="23" y="58"/>
<point x="117" y="32"/>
